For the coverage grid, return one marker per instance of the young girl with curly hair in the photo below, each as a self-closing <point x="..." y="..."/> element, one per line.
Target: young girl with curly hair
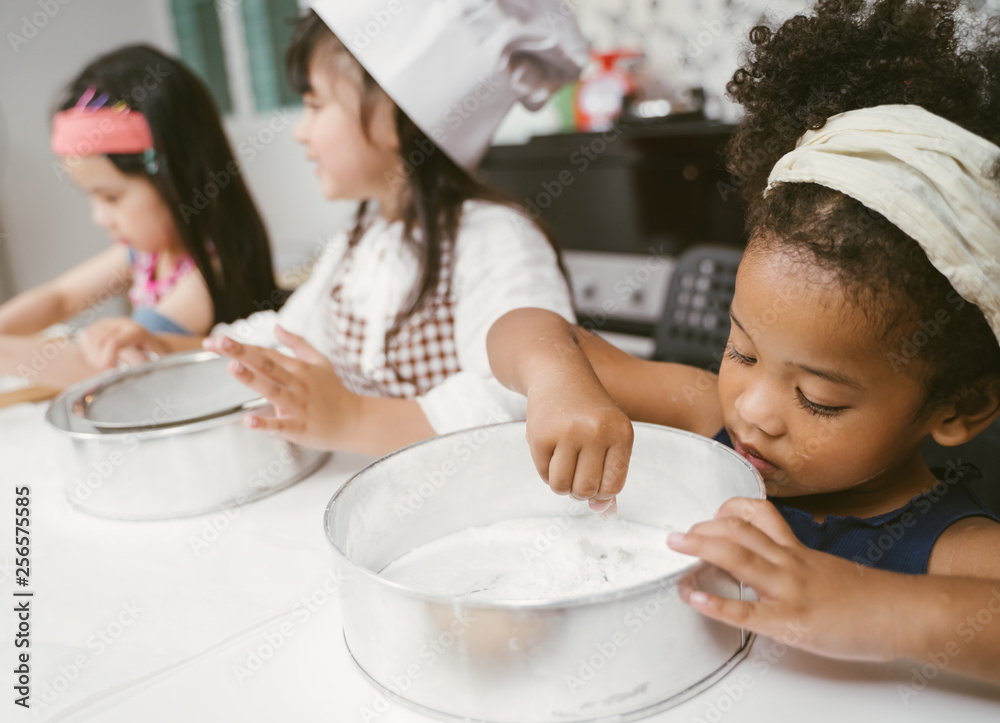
<point x="866" y="321"/>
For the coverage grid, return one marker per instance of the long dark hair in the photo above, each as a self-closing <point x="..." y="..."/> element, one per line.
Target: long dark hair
<point x="195" y="173"/>
<point x="434" y="188"/>
<point x="847" y="55"/>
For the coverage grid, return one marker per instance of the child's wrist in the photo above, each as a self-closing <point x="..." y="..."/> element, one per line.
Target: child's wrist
<point x="918" y="619"/>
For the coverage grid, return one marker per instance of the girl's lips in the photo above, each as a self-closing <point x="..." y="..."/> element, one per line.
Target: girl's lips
<point x="751" y="456"/>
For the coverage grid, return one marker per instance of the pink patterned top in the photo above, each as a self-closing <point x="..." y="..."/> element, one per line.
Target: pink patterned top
<point x="147" y="291"/>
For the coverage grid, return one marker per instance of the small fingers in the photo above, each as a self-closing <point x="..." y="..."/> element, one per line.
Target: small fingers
<point x="224" y="345"/>
<point x="738" y="613"/>
<point x="740" y="561"/>
<point x="738" y="530"/>
<point x="302" y="348"/>
<point x="542" y="450"/>
<point x="589" y="470"/>
<point x="562" y="469"/>
<point x="605" y="509"/>
<point x="761" y="514"/>
<point x="93" y="340"/>
<point x="278" y="425"/>
<point x="263" y="362"/>
<point x="116" y="348"/>
<point x="263" y="385"/>
<point x="131" y="356"/>
<point x="616" y="463"/>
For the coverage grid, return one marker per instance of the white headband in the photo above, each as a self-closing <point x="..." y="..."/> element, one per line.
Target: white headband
<point x="926" y="175"/>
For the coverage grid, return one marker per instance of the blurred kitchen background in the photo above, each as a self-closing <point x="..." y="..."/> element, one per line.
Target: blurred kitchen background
<point x="646" y="196"/>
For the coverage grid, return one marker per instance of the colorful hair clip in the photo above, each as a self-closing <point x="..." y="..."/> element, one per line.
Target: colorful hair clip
<point x="149" y="160"/>
<point x="85" y="98"/>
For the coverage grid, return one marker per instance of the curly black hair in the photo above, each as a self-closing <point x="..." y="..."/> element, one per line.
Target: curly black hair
<point x="847" y="55"/>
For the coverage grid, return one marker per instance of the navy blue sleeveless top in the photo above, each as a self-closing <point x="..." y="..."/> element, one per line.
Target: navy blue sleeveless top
<point x="898" y="541"/>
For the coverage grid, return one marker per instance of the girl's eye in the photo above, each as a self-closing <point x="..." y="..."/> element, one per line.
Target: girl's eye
<point x="817" y="409"/>
<point x="736" y="356"/>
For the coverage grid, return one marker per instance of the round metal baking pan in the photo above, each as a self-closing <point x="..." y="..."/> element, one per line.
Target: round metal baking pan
<point x="616" y="655"/>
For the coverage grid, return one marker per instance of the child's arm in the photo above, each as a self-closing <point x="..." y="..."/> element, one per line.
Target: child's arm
<point x="528" y="343"/>
<point x="312" y="406"/>
<point x="834" y="607"/>
<point x="188" y="304"/>
<point x="108" y="341"/>
<point x="80" y="288"/>
<point x="580" y="440"/>
<point x="578" y="387"/>
<point x="674" y="395"/>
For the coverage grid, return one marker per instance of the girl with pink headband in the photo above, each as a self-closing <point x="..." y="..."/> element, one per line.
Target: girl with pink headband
<point x="865" y="323"/>
<point x="141" y="157"/>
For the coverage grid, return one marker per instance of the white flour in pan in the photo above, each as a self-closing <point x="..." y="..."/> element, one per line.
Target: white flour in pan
<point x="538" y="558"/>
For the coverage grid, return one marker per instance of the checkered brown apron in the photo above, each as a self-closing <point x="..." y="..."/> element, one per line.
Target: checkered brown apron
<point x="421" y="355"/>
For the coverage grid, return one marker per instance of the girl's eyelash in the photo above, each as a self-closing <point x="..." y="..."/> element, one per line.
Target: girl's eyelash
<point x="736" y="356"/>
<point x="817" y="409"/>
<point x="811" y="407"/>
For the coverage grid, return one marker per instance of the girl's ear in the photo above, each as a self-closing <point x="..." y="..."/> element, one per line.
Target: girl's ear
<point x="383" y="124"/>
<point x="956" y="426"/>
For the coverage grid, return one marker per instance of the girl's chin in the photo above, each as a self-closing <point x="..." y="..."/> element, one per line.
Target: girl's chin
<point x="331" y="191"/>
<point x="777" y="484"/>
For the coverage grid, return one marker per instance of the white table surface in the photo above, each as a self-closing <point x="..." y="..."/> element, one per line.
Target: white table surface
<point x="135" y="621"/>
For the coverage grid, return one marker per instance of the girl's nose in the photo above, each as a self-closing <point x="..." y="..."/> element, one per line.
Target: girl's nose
<point x="299" y="132"/>
<point x="100" y="215"/>
<point x="759" y="406"/>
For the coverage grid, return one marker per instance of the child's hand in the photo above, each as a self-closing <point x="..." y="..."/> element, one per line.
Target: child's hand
<point x="808" y="599"/>
<point x="580" y="440"/>
<point x="311" y="405"/>
<point x="108" y="341"/>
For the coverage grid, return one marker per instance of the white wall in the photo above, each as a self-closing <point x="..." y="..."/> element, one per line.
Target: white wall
<point x="45" y="222"/>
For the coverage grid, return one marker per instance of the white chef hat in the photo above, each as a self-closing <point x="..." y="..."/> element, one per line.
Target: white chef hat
<point x="455" y="67"/>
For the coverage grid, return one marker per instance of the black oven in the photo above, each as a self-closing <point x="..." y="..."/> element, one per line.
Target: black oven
<point x="623" y="204"/>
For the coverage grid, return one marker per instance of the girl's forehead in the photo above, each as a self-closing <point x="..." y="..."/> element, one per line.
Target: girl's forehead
<point x="801" y="310"/>
<point x="90" y="172"/>
<point x="331" y="71"/>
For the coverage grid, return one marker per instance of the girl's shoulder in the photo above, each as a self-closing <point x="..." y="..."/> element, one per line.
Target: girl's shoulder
<point x="489" y="217"/>
<point x="968" y="547"/>
<point x="488" y="230"/>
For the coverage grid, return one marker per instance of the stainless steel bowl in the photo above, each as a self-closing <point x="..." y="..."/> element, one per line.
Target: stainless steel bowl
<point x="156" y="467"/>
<point x="614" y="656"/>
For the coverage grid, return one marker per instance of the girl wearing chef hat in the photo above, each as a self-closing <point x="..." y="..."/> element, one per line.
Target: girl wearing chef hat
<point x="866" y="321"/>
<point x="140" y="135"/>
<point x="389" y="333"/>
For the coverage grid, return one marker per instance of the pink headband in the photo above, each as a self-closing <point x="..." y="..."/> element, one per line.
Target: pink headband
<point x="90" y="131"/>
